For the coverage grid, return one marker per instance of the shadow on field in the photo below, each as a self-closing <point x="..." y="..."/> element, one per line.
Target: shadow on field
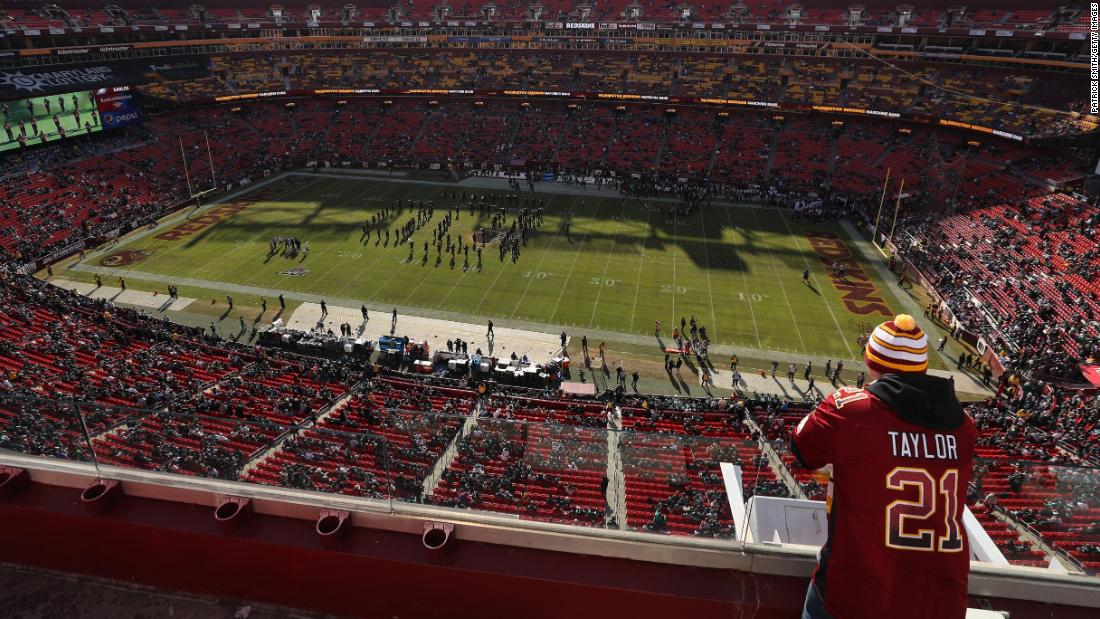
<point x="703" y="235"/>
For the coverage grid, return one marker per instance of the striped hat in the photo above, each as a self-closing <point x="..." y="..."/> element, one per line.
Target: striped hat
<point x="897" y="345"/>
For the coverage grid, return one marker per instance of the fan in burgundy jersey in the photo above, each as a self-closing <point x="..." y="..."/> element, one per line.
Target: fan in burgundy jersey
<point x="901" y="452"/>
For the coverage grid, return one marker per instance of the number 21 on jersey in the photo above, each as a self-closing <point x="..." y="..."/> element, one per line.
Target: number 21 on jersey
<point x="905" y="535"/>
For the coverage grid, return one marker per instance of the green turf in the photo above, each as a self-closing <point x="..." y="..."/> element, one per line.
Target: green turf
<point x="738" y="269"/>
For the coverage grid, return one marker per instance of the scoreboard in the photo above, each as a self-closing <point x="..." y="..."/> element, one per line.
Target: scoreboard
<point x="37" y="120"/>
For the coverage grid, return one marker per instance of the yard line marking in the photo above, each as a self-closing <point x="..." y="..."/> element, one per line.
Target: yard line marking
<point x="389" y="251"/>
<point x="782" y="288"/>
<point x="641" y="261"/>
<point x="572" y="266"/>
<point x="710" y="289"/>
<point x="206" y="263"/>
<point x="675" y="246"/>
<point x="611" y="252"/>
<point x="463" y="277"/>
<point x="813" y="275"/>
<point x="745" y="281"/>
<point x="489" y="288"/>
<point x="538" y="268"/>
<point x="321" y="278"/>
<point x="382" y="254"/>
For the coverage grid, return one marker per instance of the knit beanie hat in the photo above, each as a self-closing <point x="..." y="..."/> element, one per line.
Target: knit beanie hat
<point x="897" y="345"/>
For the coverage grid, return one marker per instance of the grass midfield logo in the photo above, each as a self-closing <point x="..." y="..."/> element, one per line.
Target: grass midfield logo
<point x="124" y="258"/>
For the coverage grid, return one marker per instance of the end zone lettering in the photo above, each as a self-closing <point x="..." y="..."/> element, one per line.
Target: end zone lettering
<point x="202" y="221"/>
<point x="857" y="291"/>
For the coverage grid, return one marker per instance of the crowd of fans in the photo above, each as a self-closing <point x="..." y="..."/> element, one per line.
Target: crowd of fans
<point x="188" y="404"/>
<point x="1016" y="265"/>
<point x="832" y="82"/>
<point x="1065" y="19"/>
<point x="91" y="190"/>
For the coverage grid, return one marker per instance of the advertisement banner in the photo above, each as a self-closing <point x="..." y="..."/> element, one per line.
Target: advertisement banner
<point x="39" y="81"/>
<point x="116" y="107"/>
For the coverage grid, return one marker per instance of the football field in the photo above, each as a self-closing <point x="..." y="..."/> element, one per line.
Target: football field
<point x="623" y="265"/>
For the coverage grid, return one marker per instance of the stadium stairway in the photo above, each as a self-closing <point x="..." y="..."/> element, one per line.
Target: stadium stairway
<point x="447" y="458"/>
<point x="717" y="150"/>
<point x="833" y="147"/>
<point x="1033" y="538"/>
<point x="877" y="163"/>
<point x="369" y="138"/>
<point x="560" y="139"/>
<point x="419" y="134"/>
<point x="773" y="144"/>
<point x="616" y="487"/>
<point x="662" y="146"/>
<point x="775" y="460"/>
<point x="612" y="139"/>
<point x="276" y="446"/>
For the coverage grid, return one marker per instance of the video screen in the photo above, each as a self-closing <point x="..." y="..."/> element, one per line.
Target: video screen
<point x="29" y="122"/>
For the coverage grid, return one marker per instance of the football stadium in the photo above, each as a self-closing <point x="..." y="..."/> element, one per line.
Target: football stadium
<point x="550" y="308"/>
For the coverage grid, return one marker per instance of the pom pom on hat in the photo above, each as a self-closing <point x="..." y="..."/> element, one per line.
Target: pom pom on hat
<point x="896" y="346"/>
<point x="905" y="322"/>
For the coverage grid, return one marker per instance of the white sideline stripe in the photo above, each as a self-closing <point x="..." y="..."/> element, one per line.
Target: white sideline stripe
<point x="611" y="252"/>
<point x="748" y="293"/>
<point x="572" y="266"/>
<point x="641" y="263"/>
<point x="369" y="268"/>
<point x="828" y="306"/>
<point x="542" y="258"/>
<point x="782" y="288"/>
